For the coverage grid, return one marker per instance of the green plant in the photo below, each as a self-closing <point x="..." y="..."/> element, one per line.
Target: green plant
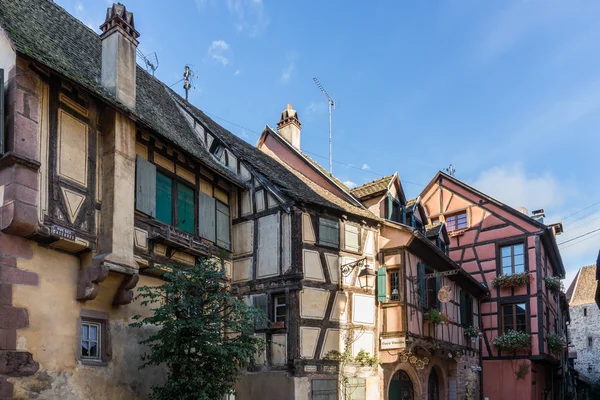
<point x="554" y="284"/>
<point x="513" y="341"/>
<point x="201" y="333"/>
<point x="556" y="343"/>
<point x="365" y="359"/>
<point x="437" y="317"/>
<point x="473" y="332"/>
<point x="511" y="281"/>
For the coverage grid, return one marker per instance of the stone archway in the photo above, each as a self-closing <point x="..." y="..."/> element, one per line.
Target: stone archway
<point x="399" y="380"/>
<point x="435" y="383"/>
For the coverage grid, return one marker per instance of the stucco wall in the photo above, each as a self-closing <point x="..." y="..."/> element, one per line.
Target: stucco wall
<point x="51" y="335"/>
<point x="581" y="328"/>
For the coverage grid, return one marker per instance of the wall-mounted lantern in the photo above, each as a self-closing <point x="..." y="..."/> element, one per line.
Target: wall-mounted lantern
<point x="366" y="277"/>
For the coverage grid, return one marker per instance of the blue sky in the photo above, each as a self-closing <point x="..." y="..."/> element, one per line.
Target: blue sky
<point x="506" y="91"/>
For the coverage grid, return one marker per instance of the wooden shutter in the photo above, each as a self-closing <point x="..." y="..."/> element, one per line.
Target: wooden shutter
<point x="382" y="284"/>
<point x="164" y="196"/>
<point x="145" y="186"/>
<point x="422" y="284"/>
<point x="463" y="307"/>
<point x="329" y="232"/>
<point x="223" y="226"/>
<point x="352" y="237"/>
<point x="390" y="206"/>
<point x="260" y="301"/>
<point x="185" y="208"/>
<point x="438" y="285"/>
<point x="206" y="217"/>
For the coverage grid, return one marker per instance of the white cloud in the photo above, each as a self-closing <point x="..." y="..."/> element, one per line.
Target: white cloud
<point x="286" y="73"/>
<point x="512" y="185"/>
<point x="366" y="167"/>
<point x="350" y="184"/>
<point x="250" y="16"/>
<point x="218" y="50"/>
<point x="237" y="72"/>
<point x="79" y="7"/>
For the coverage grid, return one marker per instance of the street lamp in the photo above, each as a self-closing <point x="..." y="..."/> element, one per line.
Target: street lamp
<point x="366" y="278"/>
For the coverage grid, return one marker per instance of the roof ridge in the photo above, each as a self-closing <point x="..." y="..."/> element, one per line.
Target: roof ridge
<point x="373" y="181"/>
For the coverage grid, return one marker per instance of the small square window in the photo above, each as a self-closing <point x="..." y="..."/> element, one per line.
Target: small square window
<point x="279" y="308"/>
<point x="512" y="259"/>
<point x="394" y="286"/>
<point x="456" y="221"/>
<point x="92" y="341"/>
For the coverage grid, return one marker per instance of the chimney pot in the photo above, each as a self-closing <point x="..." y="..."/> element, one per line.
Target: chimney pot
<point x="289" y="126"/>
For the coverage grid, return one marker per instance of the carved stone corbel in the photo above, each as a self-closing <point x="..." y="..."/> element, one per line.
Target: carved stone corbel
<point x="124" y="294"/>
<point x="89" y="277"/>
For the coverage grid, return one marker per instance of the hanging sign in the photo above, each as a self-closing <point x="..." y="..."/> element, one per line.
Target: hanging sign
<point x="444" y="294"/>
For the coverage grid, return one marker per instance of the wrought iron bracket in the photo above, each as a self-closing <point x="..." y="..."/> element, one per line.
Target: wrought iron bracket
<point x="347" y="269"/>
<point x="435" y="275"/>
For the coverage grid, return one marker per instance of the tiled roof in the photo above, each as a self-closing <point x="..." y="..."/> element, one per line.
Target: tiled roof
<point x="583" y="288"/>
<point x="48" y="34"/>
<point x="433" y="230"/>
<point x="410" y="203"/>
<point x="369" y="188"/>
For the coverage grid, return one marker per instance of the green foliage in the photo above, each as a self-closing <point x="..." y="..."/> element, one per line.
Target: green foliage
<point x="473" y="332"/>
<point x="365" y="359"/>
<point x="511" y="281"/>
<point x="556" y="343"/>
<point x="554" y="284"/>
<point x="513" y="341"/>
<point x="438" y="317"/>
<point x="203" y="334"/>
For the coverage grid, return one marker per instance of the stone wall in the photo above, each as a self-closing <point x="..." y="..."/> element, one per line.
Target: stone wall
<point x="581" y="328"/>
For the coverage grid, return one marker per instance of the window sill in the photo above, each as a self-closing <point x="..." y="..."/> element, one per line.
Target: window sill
<point x="93" y="363"/>
<point x="329" y="246"/>
<point x="458" y="232"/>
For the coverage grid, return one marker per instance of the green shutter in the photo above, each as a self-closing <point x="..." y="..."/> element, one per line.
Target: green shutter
<point x="206" y="217"/>
<point x="422" y="284"/>
<point x="185" y="209"/>
<point x="382" y="284"/>
<point x="145" y="186"/>
<point x="329" y="232"/>
<point x="223" y="226"/>
<point x="463" y="307"/>
<point x="390" y="206"/>
<point x="164" y="195"/>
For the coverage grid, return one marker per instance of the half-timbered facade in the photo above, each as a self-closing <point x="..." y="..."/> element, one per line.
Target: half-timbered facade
<point x="427" y="304"/>
<point x="491" y="240"/>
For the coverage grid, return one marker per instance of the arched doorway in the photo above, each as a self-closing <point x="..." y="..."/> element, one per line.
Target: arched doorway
<point x="433" y="386"/>
<point x="401" y="387"/>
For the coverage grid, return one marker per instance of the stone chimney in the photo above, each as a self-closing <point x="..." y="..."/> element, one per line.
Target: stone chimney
<point x="289" y="126"/>
<point x="119" y="45"/>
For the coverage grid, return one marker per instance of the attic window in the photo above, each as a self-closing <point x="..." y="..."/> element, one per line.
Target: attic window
<point x="456" y="221"/>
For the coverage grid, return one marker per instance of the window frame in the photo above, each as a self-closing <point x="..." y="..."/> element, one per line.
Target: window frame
<point x="504" y="329"/>
<point x="390" y="272"/>
<point x="176" y="181"/>
<point x="99" y="319"/>
<point x="98" y="341"/>
<point x="511" y="244"/>
<point x="275" y="306"/>
<point x="456" y="215"/>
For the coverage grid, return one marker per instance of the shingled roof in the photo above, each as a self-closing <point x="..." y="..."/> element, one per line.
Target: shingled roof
<point x="583" y="288"/>
<point x="370" y="188"/>
<point x="48" y="34"/>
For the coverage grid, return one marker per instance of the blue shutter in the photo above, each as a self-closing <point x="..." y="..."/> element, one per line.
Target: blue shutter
<point x="422" y="284"/>
<point x="382" y="284"/>
<point x="206" y="217"/>
<point x="223" y="226"/>
<point x="145" y="187"/>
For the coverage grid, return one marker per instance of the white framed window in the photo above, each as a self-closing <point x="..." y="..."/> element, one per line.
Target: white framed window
<point x="91" y="341"/>
<point x="279" y="308"/>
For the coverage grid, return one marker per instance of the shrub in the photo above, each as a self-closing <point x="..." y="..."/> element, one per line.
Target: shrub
<point x="438" y="317"/>
<point x="513" y="341"/>
<point x="511" y="281"/>
<point x="556" y="343"/>
<point x="554" y="284"/>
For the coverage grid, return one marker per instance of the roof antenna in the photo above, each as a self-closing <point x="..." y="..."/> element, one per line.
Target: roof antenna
<point x="151" y="61"/>
<point x="188" y="75"/>
<point x="331" y="105"/>
<point x="450" y="170"/>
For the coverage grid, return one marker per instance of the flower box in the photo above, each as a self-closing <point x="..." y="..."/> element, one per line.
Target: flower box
<point x="435" y="317"/>
<point x="553" y="284"/>
<point x="511" y="281"/>
<point x="513" y="342"/>
<point x="556" y="343"/>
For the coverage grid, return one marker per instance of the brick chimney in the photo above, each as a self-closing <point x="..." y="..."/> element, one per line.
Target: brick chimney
<point x="289" y="126"/>
<point x="119" y="45"/>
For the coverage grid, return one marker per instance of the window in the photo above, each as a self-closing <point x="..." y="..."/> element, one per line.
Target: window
<point x="432" y="289"/>
<point x="514" y="317"/>
<point x="466" y="308"/>
<point x="456" y="221"/>
<point x="585" y="311"/>
<point x="394" y="286"/>
<point x="324" y="389"/>
<point x="260" y="301"/>
<point x="329" y="232"/>
<point x="352" y="237"/>
<point x="513" y="259"/>
<point x="421" y="285"/>
<point x="279" y="308"/>
<point x="356" y="389"/>
<point x="92" y="340"/>
<point x="590" y="341"/>
<point x="174" y="208"/>
<point x="394" y="209"/>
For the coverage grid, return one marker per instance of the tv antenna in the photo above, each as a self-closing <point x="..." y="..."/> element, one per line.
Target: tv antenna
<point x="331" y="105"/>
<point x="450" y="170"/>
<point x="151" y="61"/>
<point x="188" y="75"/>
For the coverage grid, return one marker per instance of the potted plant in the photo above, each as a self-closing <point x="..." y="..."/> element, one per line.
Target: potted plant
<point x="554" y="284"/>
<point x="513" y="341"/>
<point x="556" y="343"/>
<point x="511" y="281"/>
<point x="437" y="317"/>
<point x="473" y="333"/>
